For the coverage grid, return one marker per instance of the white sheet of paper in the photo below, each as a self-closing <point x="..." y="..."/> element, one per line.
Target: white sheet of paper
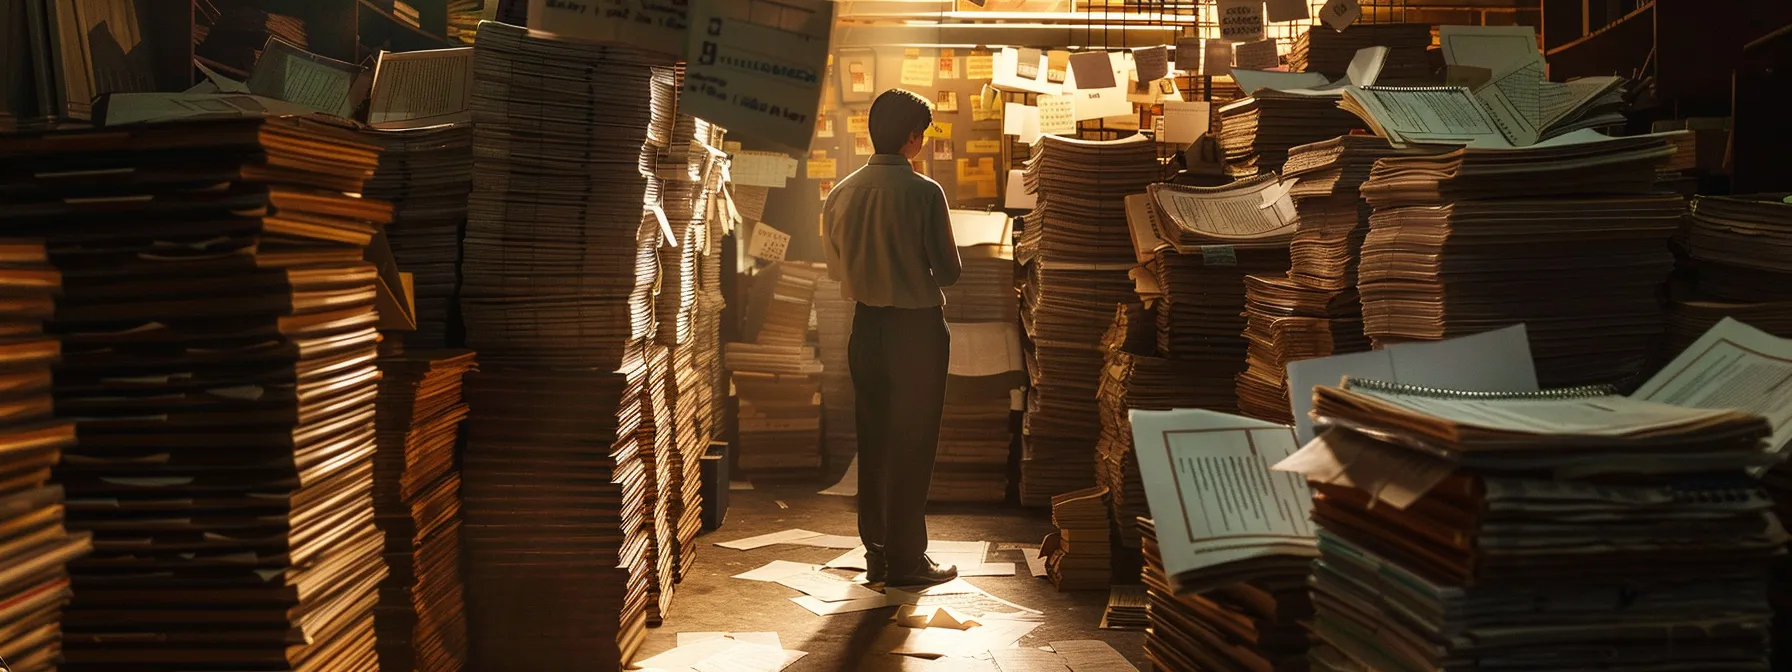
<point x="414" y="89"/>
<point x="829" y="541"/>
<point x="821" y="607"/>
<point x="1250" y="81"/>
<point x="1016" y="196"/>
<point x="768" y="243"/>
<point x="685" y="655"/>
<point x="1493" y="361"/>
<point x="782" y="537"/>
<point x="978" y="548"/>
<point x="1091" y="655"/>
<point x="775" y="59"/>
<point x="654" y="26"/>
<point x="848" y="485"/>
<point x="1339" y="14"/>
<point x="1035" y="564"/>
<point x="761" y="169"/>
<point x="961" y="643"/>
<point x="957" y="586"/>
<point x="1501" y="49"/>
<point x="853" y="559"/>
<point x="1028" y="660"/>
<point x="287" y="72"/>
<point x="1014" y="118"/>
<point x="1057" y="115"/>
<point x="1240" y="20"/>
<point x="749" y="658"/>
<point x="911" y="616"/>
<point x="777" y="569"/>
<point x="760" y="638"/>
<point x="826" y="587"/>
<point x="978" y="227"/>
<point x="1733" y="365"/>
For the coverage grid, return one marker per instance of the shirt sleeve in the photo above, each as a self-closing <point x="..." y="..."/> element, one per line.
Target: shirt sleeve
<point x="830" y="239"/>
<point x="942" y="250"/>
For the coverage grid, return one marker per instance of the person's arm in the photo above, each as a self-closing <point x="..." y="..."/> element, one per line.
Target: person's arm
<point x="830" y="239"/>
<point x="942" y="250"/>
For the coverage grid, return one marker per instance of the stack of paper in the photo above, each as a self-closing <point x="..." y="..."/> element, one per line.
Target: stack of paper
<point x="833" y="327"/>
<point x="1077" y="555"/>
<point x="1568" y="526"/>
<point x="218" y="347"/>
<point x="1477" y="239"/>
<point x="1321" y="49"/>
<point x="1253" y="625"/>
<point x="1135" y="377"/>
<point x="1215" y="237"/>
<point x="1077" y="254"/>
<point x="420" y="620"/>
<point x="707" y="340"/>
<point x="984" y="372"/>
<point x="36" y="584"/>
<point x="1286" y="321"/>
<point x="426" y="174"/>
<point x="463" y="19"/>
<point x="657" y="439"/>
<point x="564" y="533"/>
<point x="985" y="290"/>
<point x="1256" y="132"/>
<point x="779" y="424"/>
<point x="1738" y="246"/>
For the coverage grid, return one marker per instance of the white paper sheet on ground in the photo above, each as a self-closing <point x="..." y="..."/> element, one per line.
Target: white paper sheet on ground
<point x="761" y="638"/>
<point x="824" y="608"/>
<point x="1028" y="660"/>
<point x="749" y="658"/>
<point x="827" y="587"/>
<point x="1736" y="366"/>
<point x="979" y="605"/>
<point x="828" y="541"/>
<point x="848" y="486"/>
<point x="958" y="547"/>
<point x="987" y="569"/>
<point x="1209" y="482"/>
<point x="777" y="569"/>
<point x="953" y="587"/>
<point x="683" y="657"/>
<point x="936" y="642"/>
<point x="912" y="616"/>
<point x="1091" y="655"/>
<point x="763" y="540"/>
<point x="1035" y="563"/>
<point x="853" y="559"/>
<point x="1493" y="361"/>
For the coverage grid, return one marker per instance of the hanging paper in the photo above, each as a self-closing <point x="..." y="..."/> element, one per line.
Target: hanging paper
<point x="1241" y="20"/>
<point x="759" y="80"/>
<point x="1339" y="14"/>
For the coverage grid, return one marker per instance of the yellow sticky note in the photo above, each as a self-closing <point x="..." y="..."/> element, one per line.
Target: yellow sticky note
<point x="820" y="169"/>
<point x="939" y="129"/>
<point x="983" y="146"/>
<point x="858" y="123"/>
<point x="916" y="70"/>
<point x="980" y="64"/>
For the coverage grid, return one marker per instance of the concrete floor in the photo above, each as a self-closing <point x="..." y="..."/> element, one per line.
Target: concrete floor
<point x="709" y="600"/>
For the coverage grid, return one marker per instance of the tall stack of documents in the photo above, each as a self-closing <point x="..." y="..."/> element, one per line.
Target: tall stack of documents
<point x="984" y="373"/>
<point x="783" y="298"/>
<point x="1077" y="254"/>
<point x="1135" y="377"/>
<point x="1213" y="238"/>
<point x="1286" y="321"/>
<point x="1568" y="526"/>
<point x="35" y="586"/>
<point x="426" y="175"/>
<point x="561" y="264"/>
<point x="657" y="437"/>
<point x="711" y="300"/>
<point x="778" y="425"/>
<point x="1253" y="625"/>
<point x="833" y="327"/>
<point x="1256" y="133"/>
<point x="1321" y="49"/>
<point x="1738" y="246"/>
<point x="1477" y="239"/>
<point x="1077" y="556"/>
<point x="218" y="346"/>
<point x="420" y="620"/>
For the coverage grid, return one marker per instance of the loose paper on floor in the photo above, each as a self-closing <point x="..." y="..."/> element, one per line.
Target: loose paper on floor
<point x="1091" y="655"/>
<point x="827" y="587"/>
<point x="829" y="541"/>
<point x="749" y="658"/>
<point x="777" y="569"/>
<point x="763" y="540"/>
<point x="761" y="638"/>
<point x="824" y="608"/>
<point x="848" y="486"/>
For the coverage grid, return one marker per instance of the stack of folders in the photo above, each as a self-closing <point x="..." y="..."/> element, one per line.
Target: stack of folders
<point x="984" y="372"/>
<point x="1286" y="321"/>
<point x="1476" y="239"/>
<point x="1135" y="377"/>
<point x="1228" y="547"/>
<point x="1213" y="237"/>
<point x="1256" y="133"/>
<point x="1738" y="246"/>
<point x="561" y="264"/>
<point x="1076" y="252"/>
<point x="1321" y="49"/>
<point x="416" y="500"/>
<point x="1567" y="528"/>
<point x="1077" y="555"/>
<point x="833" y="327"/>
<point x="35" y="586"/>
<point x="426" y="175"/>
<point x="217" y="326"/>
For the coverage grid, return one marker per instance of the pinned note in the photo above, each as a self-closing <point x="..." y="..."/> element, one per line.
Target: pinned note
<point x="1286" y="10"/>
<point x="1259" y="55"/>
<point x="1021" y="121"/>
<point x="948" y="64"/>
<point x="862" y="145"/>
<point x="1188" y="54"/>
<point x="768" y="243"/>
<point x="1093" y="70"/>
<point x="1057" y="115"/>
<point x="1151" y="62"/>
<point x="1241" y="20"/>
<point x="938" y="129"/>
<point x="947" y="101"/>
<point x="1216" y="58"/>
<point x="858" y="123"/>
<point x="820" y="169"/>
<point x="761" y="169"/>
<point x="1057" y="65"/>
<point x="983" y="146"/>
<point x="917" y="70"/>
<point x="1339" y="14"/>
<point x="756" y="75"/>
<point x="980" y="64"/>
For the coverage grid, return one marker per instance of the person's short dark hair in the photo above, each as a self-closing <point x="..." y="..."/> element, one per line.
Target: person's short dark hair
<point x="896" y="115"/>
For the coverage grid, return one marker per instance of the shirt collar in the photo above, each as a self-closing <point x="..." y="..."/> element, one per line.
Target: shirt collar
<point x="887" y="160"/>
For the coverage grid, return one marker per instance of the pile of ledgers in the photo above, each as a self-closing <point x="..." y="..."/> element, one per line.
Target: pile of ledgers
<point x="1568" y="237"/>
<point x="1739" y="256"/>
<point x="1212" y="238"/>
<point x="1256" y="133"/>
<point x="561" y="262"/>
<point x="420" y="620"/>
<point x="1321" y="49"/>
<point x="833" y="330"/>
<point x="35" y="586"/>
<point x="426" y="174"/>
<point x="1565" y="529"/>
<point x="1249" y="625"/>
<point x="777" y="378"/>
<point x="1077" y="556"/>
<point x="1077" y="254"/>
<point x="1135" y="377"/>
<point x="218" y="346"/>
<point x="982" y="376"/>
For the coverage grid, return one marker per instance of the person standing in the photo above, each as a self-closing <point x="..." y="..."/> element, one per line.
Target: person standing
<point x="889" y="244"/>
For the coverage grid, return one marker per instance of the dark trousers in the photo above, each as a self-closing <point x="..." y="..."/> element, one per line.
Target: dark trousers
<point x="898" y="360"/>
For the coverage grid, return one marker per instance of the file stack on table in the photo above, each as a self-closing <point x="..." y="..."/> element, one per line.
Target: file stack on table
<point x="1518" y="531"/>
<point x="561" y="264"/>
<point x="35" y="586"/>
<point x="1077" y="254"/>
<point x="421" y="619"/>
<point x="1477" y="239"/>
<point x="218" y="340"/>
<point x="426" y="175"/>
<point x="1135" y="377"/>
<point x="1738" y="247"/>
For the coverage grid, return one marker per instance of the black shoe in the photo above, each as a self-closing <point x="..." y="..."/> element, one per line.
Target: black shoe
<point x="875" y="568"/>
<point x="928" y="574"/>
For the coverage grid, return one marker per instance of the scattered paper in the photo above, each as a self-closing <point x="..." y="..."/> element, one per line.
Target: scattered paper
<point x="1259" y="55"/>
<point x="1028" y="660"/>
<point x="1339" y="14"/>
<point x="1035" y="563"/>
<point x="829" y="541"/>
<point x="746" y="657"/>
<point x="824" y="608"/>
<point x="768" y="243"/>
<point x="935" y="642"/>
<point x="987" y="569"/>
<point x="758" y="74"/>
<point x="911" y="616"/>
<point x="1240" y="20"/>
<point x="415" y="89"/>
<point x="761" y="638"/>
<point x="954" y="587"/>
<point x="978" y="548"/>
<point x="848" y="485"/>
<point x="776" y="569"/>
<point x="853" y="559"/>
<point x="1091" y="655"/>
<point x="1216" y="58"/>
<point x="763" y="540"/>
<point x="1152" y="63"/>
<point x="826" y="587"/>
<point x="1394" y="475"/>
<point x="685" y="655"/>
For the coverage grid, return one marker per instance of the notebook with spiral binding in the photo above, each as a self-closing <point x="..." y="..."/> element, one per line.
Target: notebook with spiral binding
<point x="1516" y="109"/>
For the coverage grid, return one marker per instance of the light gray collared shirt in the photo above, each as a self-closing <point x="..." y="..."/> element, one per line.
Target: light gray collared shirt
<point x="889" y="237"/>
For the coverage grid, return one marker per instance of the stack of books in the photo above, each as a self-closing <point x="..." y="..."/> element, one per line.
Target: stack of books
<point x="218" y="340"/>
<point x="833" y="330"/>
<point x="35" y="585"/>
<point x="426" y="175"/>
<point x="1255" y="625"/>
<point x="1477" y="239"/>
<point x="982" y="378"/>
<point x="1475" y="553"/>
<point x="463" y="19"/>
<point x="1256" y="133"/>
<point x="779" y="421"/>
<point x="1321" y="49"/>
<point x="1077" y="254"/>
<point x="1135" y="377"/>
<point x="561" y="264"/>
<point x="1737" y="247"/>
<point x="1077" y="555"/>
<point x="420" y="620"/>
